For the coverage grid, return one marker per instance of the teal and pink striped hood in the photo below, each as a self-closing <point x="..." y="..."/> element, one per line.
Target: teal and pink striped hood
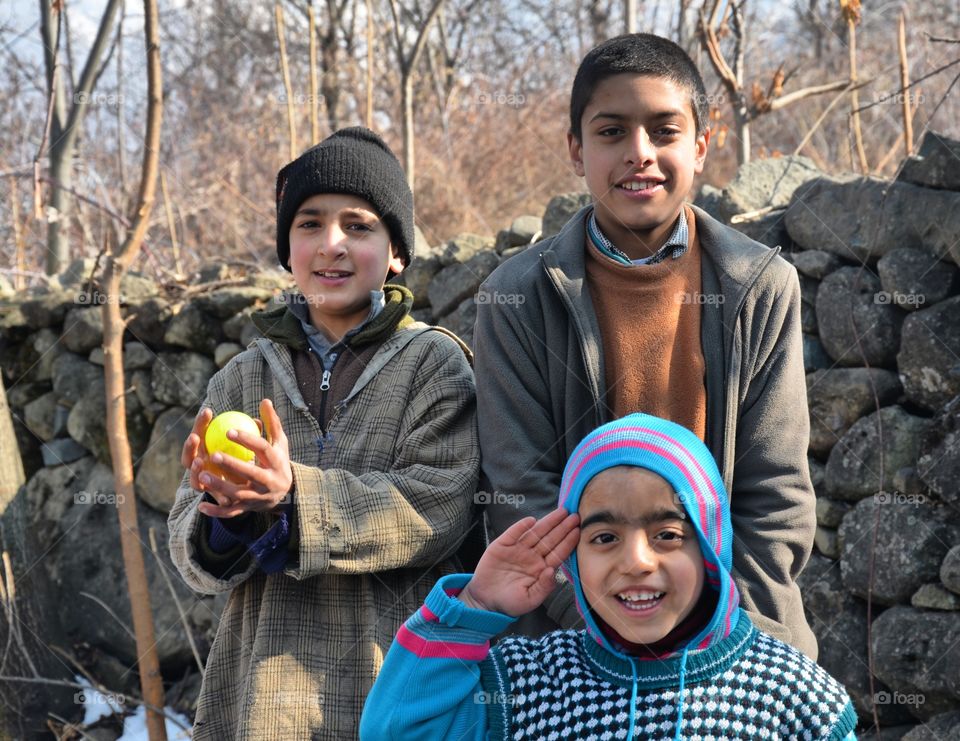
<point x="680" y="457"/>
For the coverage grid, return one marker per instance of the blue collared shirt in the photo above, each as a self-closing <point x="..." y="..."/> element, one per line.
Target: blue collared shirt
<point x="675" y="246"/>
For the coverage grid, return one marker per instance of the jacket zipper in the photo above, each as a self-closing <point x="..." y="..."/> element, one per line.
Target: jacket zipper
<point x="581" y="336"/>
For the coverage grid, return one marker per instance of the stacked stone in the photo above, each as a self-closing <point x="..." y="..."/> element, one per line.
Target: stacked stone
<point x="877" y="262"/>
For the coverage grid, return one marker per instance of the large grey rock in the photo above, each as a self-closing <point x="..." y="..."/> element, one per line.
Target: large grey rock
<point x="464" y="247"/>
<point x="764" y="183"/>
<point x="913" y="279"/>
<point x="225" y="352"/>
<point x="454" y="284"/>
<point x="855" y="326"/>
<point x="23" y="392"/>
<point x="830" y="512"/>
<point x="950" y="570"/>
<point x="223" y="303"/>
<point x="461" y="320"/>
<point x="234" y="327"/>
<point x="929" y="357"/>
<point x="61" y="451"/>
<point x="942" y="727"/>
<point x="814" y="356"/>
<point x="194" y="329"/>
<point x="854" y="467"/>
<point x="44" y="417"/>
<point x="935" y="163"/>
<point x="72" y="376"/>
<point x="935" y="597"/>
<point x="769" y="229"/>
<point x="938" y="464"/>
<point x="818" y="477"/>
<point x="135" y="287"/>
<point x="141" y="383"/>
<point x="827" y="541"/>
<point x="52" y="481"/>
<point x="47" y="346"/>
<point x="917" y="653"/>
<point x="137" y="356"/>
<point x="417" y="277"/>
<point x="48" y="310"/>
<point x="559" y="211"/>
<point x="160" y="469"/>
<point x="13" y="324"/>
<point x="865" y="218"/>
<point x="525" y="229"/>
<point x="708" y="198"/>
<point x="839" y="397"/>
<point x="816" y="264"/>
<point x="839" y="621"/>
<point x="912" y="539"/>
<point x="180" y="379"/>
<point x="83" y="329"/>
<point x="808" y="304"/>
<point x="87" y="424"/>
<point x="148" y="321"/>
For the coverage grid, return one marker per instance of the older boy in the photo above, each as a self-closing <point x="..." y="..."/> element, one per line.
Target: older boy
<point x="644" y="303"/>
<point x="667" y="651"/>
<point x="364" y="484"/>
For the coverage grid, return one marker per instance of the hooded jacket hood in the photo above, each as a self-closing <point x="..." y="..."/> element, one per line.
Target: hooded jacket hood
<point x="682" y="459"/>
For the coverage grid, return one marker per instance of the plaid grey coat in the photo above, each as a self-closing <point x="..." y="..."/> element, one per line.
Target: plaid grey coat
<point x="379" y="510"/>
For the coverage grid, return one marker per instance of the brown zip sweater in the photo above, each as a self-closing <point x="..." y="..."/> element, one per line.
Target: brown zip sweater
<point x="649" y="318"/>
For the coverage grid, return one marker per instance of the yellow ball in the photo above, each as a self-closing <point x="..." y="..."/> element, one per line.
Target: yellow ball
<point x="216" y="440"/>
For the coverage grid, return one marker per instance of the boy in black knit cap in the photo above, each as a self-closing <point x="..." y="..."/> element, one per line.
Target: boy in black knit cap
<point x="363" y="485"/>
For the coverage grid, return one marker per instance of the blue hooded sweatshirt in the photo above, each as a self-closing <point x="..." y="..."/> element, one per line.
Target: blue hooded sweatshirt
<point x="723" y="679"/>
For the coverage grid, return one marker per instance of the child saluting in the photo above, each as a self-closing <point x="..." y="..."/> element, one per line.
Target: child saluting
<point x="643" y="535"/>
<point x="364" y="483"/>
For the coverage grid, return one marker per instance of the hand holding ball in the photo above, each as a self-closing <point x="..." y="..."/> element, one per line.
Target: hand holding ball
<point x="216" y="441"/>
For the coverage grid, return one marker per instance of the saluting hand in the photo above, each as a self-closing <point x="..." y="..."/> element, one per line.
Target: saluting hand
<point x="516" y="573"/>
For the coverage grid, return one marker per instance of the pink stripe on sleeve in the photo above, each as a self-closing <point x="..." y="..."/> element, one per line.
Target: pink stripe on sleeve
<point x="423" y="648"/>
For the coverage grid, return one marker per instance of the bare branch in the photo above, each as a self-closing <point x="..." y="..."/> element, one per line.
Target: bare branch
<point x="785" y="100"/>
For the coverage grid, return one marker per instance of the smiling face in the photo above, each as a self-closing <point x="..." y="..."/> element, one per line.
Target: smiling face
<point x="640" y="565"/>
<point x="339" y="251"/>
<point x="639" y="152"/>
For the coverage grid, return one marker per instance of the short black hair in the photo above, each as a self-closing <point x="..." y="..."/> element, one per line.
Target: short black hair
<point x="639" y="54"/>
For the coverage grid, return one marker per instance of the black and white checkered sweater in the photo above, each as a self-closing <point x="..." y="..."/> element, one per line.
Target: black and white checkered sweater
<point x="750" y="685"/>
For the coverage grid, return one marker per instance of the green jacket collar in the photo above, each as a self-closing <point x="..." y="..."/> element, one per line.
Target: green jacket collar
<point x="282" y="326"/>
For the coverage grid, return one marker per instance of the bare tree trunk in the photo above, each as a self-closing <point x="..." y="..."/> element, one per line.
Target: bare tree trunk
<point x="408" y="144"/>
<point x="905" y="85"/>
<point x="66" y="126"/>
<point x="408" y="65"/>
<point x="312" y="97"/>
<point x="369" y="111"/>
<point x="11" y="467"/>
<point x="630" y="16"/>
<point x="121" y="123"/>
<point x="20" y="252"/>
<point x="852" y="12"/>
<point x="291" y="123"/>
<point x="117" y="263"/>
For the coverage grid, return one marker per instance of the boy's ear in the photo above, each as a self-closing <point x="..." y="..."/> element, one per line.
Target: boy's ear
<point x="396" y="261"/>
<point x="576" y="153"/>
<point x="702" y="143"/>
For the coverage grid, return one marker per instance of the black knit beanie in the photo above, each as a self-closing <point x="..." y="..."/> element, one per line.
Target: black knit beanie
<point x="352" y="161"/>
